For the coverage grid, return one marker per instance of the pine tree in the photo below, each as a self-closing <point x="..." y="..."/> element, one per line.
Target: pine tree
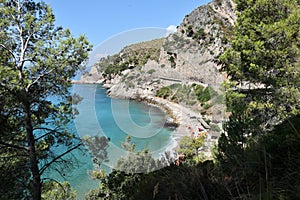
<point x="37" y="62"/>
<point x="263" y="89"/>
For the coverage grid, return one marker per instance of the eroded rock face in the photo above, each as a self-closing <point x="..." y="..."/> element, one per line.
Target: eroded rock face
<point x="200" y="38"/>
<point x="186" y="56"/>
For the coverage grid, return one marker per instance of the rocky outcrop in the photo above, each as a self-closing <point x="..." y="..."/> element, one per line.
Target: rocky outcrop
<point x="186" y="57"/>
<point x="199" y="39"/>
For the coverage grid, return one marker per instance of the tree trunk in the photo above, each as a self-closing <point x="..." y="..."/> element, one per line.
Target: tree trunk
<point x="32" y="155"/>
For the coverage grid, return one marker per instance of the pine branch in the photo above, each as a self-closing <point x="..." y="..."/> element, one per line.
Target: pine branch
<point x="10" y="52"/>
<point x="49" y="131"/>
<point x="42" y="170"/>
<point x="38" y="79"/>
<point x="13" y="146"/>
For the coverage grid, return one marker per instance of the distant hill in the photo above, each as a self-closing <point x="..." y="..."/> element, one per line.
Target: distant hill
<point x="130" y="57"/>
<point x="185" y="58"/>
<point x="187" y="54"/>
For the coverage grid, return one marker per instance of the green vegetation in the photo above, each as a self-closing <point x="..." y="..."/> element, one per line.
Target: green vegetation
<point x="177" y="179"/>
<point x="55" y="190"/>
<point x="207" y="106"/>
<point x="37" y="62"/>
<point x="151" y="71"/>
<point x="131" y="56"/>
<point x="188" y="94"/>
<point x="259" y="150"/>
<point x="164" y="92"/>
<point x="171" y="182"/>
<point x="215" y="127"/>
<point x="190" y="148"/>
<point x="199" y="35"/>
<point x="130" y="84"/>
<point x="258" y="157"/>
<point x="204" y="94"/>
<point x="189" y="31"/>
<point x="115" y="68"/>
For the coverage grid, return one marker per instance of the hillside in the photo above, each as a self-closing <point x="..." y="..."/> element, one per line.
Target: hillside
<point x="178" y="68"/>
<point x="200" y="38"/>
<point x="135" y="55"/>
<point x="187" y="55"/>
<point x="257" y="156"/>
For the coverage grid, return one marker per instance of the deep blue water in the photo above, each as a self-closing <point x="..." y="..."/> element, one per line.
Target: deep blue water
<point x="116" y="119"/>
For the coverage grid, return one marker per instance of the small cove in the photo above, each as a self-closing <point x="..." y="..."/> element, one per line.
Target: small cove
<point x="114" y="118"/>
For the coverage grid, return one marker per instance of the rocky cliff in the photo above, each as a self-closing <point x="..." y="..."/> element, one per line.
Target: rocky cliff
<point x="199" y="39"/>
<point x="185" y="56"/>
<point x="178" y="68"/>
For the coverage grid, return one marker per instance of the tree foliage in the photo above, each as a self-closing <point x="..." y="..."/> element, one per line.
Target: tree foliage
<point x="258" y="155"/>
<point x="190" y="147"/>
<point x="54" y="190"/>
<point x="263" y="66"/>
<point x="133" y="178"/>
<point x="263" y="97"/>
<point x="264" y="58"/>
<point x="37" y="62"/>
<point x="187" y="94"/>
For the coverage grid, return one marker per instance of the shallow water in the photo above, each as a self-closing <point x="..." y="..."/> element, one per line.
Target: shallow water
<point x="116" y="119"/>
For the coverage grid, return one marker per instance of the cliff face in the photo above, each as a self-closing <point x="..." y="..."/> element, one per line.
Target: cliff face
<point x="178" y="72"/>
<point x="201" y="37"/>
<point x="186" y="56"/>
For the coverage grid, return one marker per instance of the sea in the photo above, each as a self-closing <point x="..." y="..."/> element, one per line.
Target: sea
<point x="101" y="115"/>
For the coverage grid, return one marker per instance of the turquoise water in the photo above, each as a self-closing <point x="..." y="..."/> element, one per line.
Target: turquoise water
<point x="116" y="119"/>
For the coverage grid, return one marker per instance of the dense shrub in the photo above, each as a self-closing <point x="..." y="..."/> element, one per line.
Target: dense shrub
<point x="164" y="92"/>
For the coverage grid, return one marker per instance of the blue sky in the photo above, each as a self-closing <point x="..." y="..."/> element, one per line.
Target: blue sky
<point x="102" y="19"/>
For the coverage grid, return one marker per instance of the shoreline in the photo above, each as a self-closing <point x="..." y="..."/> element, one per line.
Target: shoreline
<point x="184" y="119"/>
<point x="180" y="116"/>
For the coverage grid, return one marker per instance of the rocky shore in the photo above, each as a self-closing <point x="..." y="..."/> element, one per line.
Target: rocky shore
<point x="185" y="121"/>
<point x="184" y="58"/>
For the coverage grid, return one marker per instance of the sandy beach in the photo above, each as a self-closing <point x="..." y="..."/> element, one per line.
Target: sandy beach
<point x="187" y="119"/>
